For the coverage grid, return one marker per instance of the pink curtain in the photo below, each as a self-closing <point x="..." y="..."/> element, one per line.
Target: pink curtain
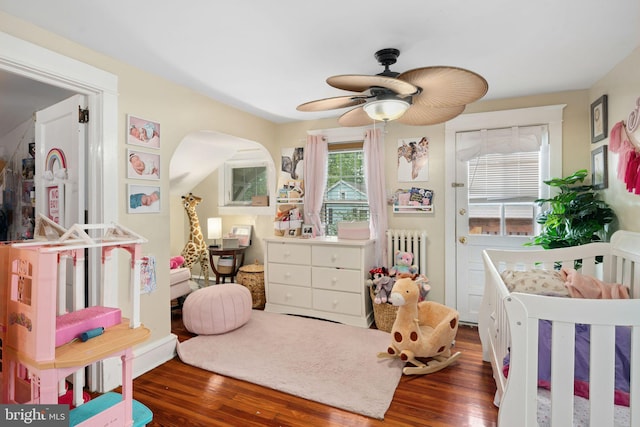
<point x="316" y="153"/>
<point x="375" y="179"/>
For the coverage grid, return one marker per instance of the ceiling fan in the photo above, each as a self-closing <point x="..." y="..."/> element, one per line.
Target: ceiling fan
<point x="418" y="97"/>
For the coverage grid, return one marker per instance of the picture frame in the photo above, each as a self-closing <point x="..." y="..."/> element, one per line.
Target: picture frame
<point x="54" y="202"/>
<point x="143" y="165"/>
<point x="242" y="233"/>
<point x="143" y="132"/>
<point x="599" y="168"/>
<point x="413" y="159"/>
<point x="599" y="119"/>
<point x="143" y="199"/>
<point x="307" y="231"/>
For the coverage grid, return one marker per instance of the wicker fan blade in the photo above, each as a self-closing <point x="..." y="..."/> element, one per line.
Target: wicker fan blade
<point x="332" y="103"/>
<point x="360" y="83"/>
<point x="420" y="115"/>
<point x="355" y="117"/>
<point x="445" y="86"/>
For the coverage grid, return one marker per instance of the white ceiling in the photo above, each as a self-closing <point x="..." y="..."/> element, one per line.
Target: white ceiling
<point x="267" y="57"/>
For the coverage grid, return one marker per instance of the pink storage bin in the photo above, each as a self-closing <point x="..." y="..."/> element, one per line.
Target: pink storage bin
<point x="357" y="230"/>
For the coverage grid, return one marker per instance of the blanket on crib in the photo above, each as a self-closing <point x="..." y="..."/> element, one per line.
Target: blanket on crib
<point x="581" y="373"/>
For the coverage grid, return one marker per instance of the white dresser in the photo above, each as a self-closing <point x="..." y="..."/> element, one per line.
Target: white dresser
<point x="322" y="277"/>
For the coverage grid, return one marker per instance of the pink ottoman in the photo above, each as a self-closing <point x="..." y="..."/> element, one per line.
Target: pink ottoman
<point x="217" y="309"/>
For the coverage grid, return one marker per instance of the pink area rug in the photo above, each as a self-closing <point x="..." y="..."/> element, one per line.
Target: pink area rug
<point x="326" y="362"/>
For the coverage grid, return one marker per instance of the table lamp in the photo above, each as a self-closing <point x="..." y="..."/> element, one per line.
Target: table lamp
<point x="214" y="230"/>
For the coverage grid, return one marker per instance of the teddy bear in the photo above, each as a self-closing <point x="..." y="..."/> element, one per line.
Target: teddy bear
<point x="403" y="264"/>
<point x="382" y="284"/>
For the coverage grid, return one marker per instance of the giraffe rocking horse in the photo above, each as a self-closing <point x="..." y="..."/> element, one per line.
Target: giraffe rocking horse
<point x="196" y="249"/>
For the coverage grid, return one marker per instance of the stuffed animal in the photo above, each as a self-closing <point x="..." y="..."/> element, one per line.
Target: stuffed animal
<point x="421" y="330"/>
<point x="403" y="264"/>
<point x="423" y="285"/>
<point x="382" y="284"/>
<point x="176" y="262"/>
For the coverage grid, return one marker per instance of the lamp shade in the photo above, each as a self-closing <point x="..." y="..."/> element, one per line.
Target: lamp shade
<point x="386" y="109"/>
<point x="214" y="228"/>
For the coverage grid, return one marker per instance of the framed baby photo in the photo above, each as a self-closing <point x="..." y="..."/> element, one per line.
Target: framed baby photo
<point x="143" y="132"/>
<point x="143" y="199"/>
<point x="599" y="115"/>
<point x="143" y="165"/>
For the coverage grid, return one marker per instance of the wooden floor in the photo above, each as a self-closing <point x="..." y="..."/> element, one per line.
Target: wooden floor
<point x="182" y="395"/>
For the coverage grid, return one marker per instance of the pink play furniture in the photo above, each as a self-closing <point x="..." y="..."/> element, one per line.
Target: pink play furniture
<point x="39" y="350"/>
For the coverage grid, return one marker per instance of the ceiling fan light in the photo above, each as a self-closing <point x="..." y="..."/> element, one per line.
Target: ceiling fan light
<point x="386" y="109"/>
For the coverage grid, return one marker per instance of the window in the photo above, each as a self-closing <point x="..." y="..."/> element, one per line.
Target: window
<point x="248" y="182"/>
<point x="503" y="186"/>
<point x="245" y="170"/>
<point x="345" y="197"/>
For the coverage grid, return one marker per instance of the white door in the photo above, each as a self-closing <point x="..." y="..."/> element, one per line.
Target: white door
<point x="60" y="162"/>
<point x="498" y="178"/>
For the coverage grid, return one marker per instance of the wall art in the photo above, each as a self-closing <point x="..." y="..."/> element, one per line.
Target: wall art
<point x="413" y="159"/>
<point x="599" y="115"/>
<point x="143" y="132"/>
<point x="143" y="199"/>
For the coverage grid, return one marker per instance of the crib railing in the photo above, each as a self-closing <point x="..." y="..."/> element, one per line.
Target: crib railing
<point x="414" y="241"/>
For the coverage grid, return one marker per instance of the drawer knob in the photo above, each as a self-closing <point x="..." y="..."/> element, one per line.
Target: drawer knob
<point x="287" y="296"/>
<point x="334" y="279"/>
<point x="335" y="303"/>
<point x="287" y="275"/>
<point x="286" y="254"/>
<point x="334" y="257"/>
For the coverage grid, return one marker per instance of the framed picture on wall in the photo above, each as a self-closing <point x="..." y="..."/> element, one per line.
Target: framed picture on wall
<point x="143" y="199"/>
<point x="599" y="169"/>
<point x="599" y="115"/>
<point x="143" y="165"/>
<point x="143" y="132"/>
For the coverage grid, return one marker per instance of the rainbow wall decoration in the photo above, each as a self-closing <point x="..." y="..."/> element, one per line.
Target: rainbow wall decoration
<point x="55" y="155"/>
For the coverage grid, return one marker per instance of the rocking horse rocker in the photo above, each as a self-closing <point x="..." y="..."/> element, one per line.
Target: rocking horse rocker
<point x="421" y="330"/>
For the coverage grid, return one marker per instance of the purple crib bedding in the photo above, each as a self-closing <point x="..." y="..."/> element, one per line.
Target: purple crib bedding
<point x="581" y="358"/>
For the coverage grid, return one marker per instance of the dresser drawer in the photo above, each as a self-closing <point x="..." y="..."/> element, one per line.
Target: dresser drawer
<point x="289" y="253"/>
<point x="336" y="256"/>
<point x="337" y="302"/>
<point x="295" y="296"/>
<point x="289" y="274"/>
<point x="337" y="279"/>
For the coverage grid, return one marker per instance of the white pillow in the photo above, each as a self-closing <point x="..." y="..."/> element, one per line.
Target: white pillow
<point x="539" y="282"/>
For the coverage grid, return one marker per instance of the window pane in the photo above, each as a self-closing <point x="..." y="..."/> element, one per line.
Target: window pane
<point x="345" y="197"/>
<point x="248" y="182"/>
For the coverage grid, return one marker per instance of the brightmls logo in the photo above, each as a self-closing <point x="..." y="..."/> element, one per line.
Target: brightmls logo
<point x="34" y="415"/>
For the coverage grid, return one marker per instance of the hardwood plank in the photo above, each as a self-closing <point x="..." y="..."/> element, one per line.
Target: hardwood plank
<point x="180" y="395"/>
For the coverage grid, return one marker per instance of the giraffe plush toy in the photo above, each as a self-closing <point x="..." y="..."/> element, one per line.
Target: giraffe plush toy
<point x="196" y="249"/>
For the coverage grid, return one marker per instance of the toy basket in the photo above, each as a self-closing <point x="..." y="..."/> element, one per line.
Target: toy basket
<point x="252" y="277"/>
<point x="383" y="314"/>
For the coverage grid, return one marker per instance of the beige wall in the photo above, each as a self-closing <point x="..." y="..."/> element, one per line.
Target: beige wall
<point x="181" y="111"/>
<point x="622" y="87"/>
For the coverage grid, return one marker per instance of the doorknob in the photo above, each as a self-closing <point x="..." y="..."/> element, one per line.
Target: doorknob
<point x="462" y="240"/>
<point x="462" y="211"/>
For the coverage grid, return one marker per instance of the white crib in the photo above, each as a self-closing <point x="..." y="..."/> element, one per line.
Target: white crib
<point x="509" y="324"/>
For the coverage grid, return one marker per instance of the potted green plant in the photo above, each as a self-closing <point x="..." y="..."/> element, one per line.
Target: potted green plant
<point x="574" y="216"/>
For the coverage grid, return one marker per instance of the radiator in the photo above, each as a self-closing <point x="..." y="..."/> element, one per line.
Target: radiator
<point x="414" y="241"/>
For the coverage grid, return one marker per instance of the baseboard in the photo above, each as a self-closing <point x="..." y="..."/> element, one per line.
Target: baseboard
<point x="154" y="354"/>
<point x="145" y="357"/>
